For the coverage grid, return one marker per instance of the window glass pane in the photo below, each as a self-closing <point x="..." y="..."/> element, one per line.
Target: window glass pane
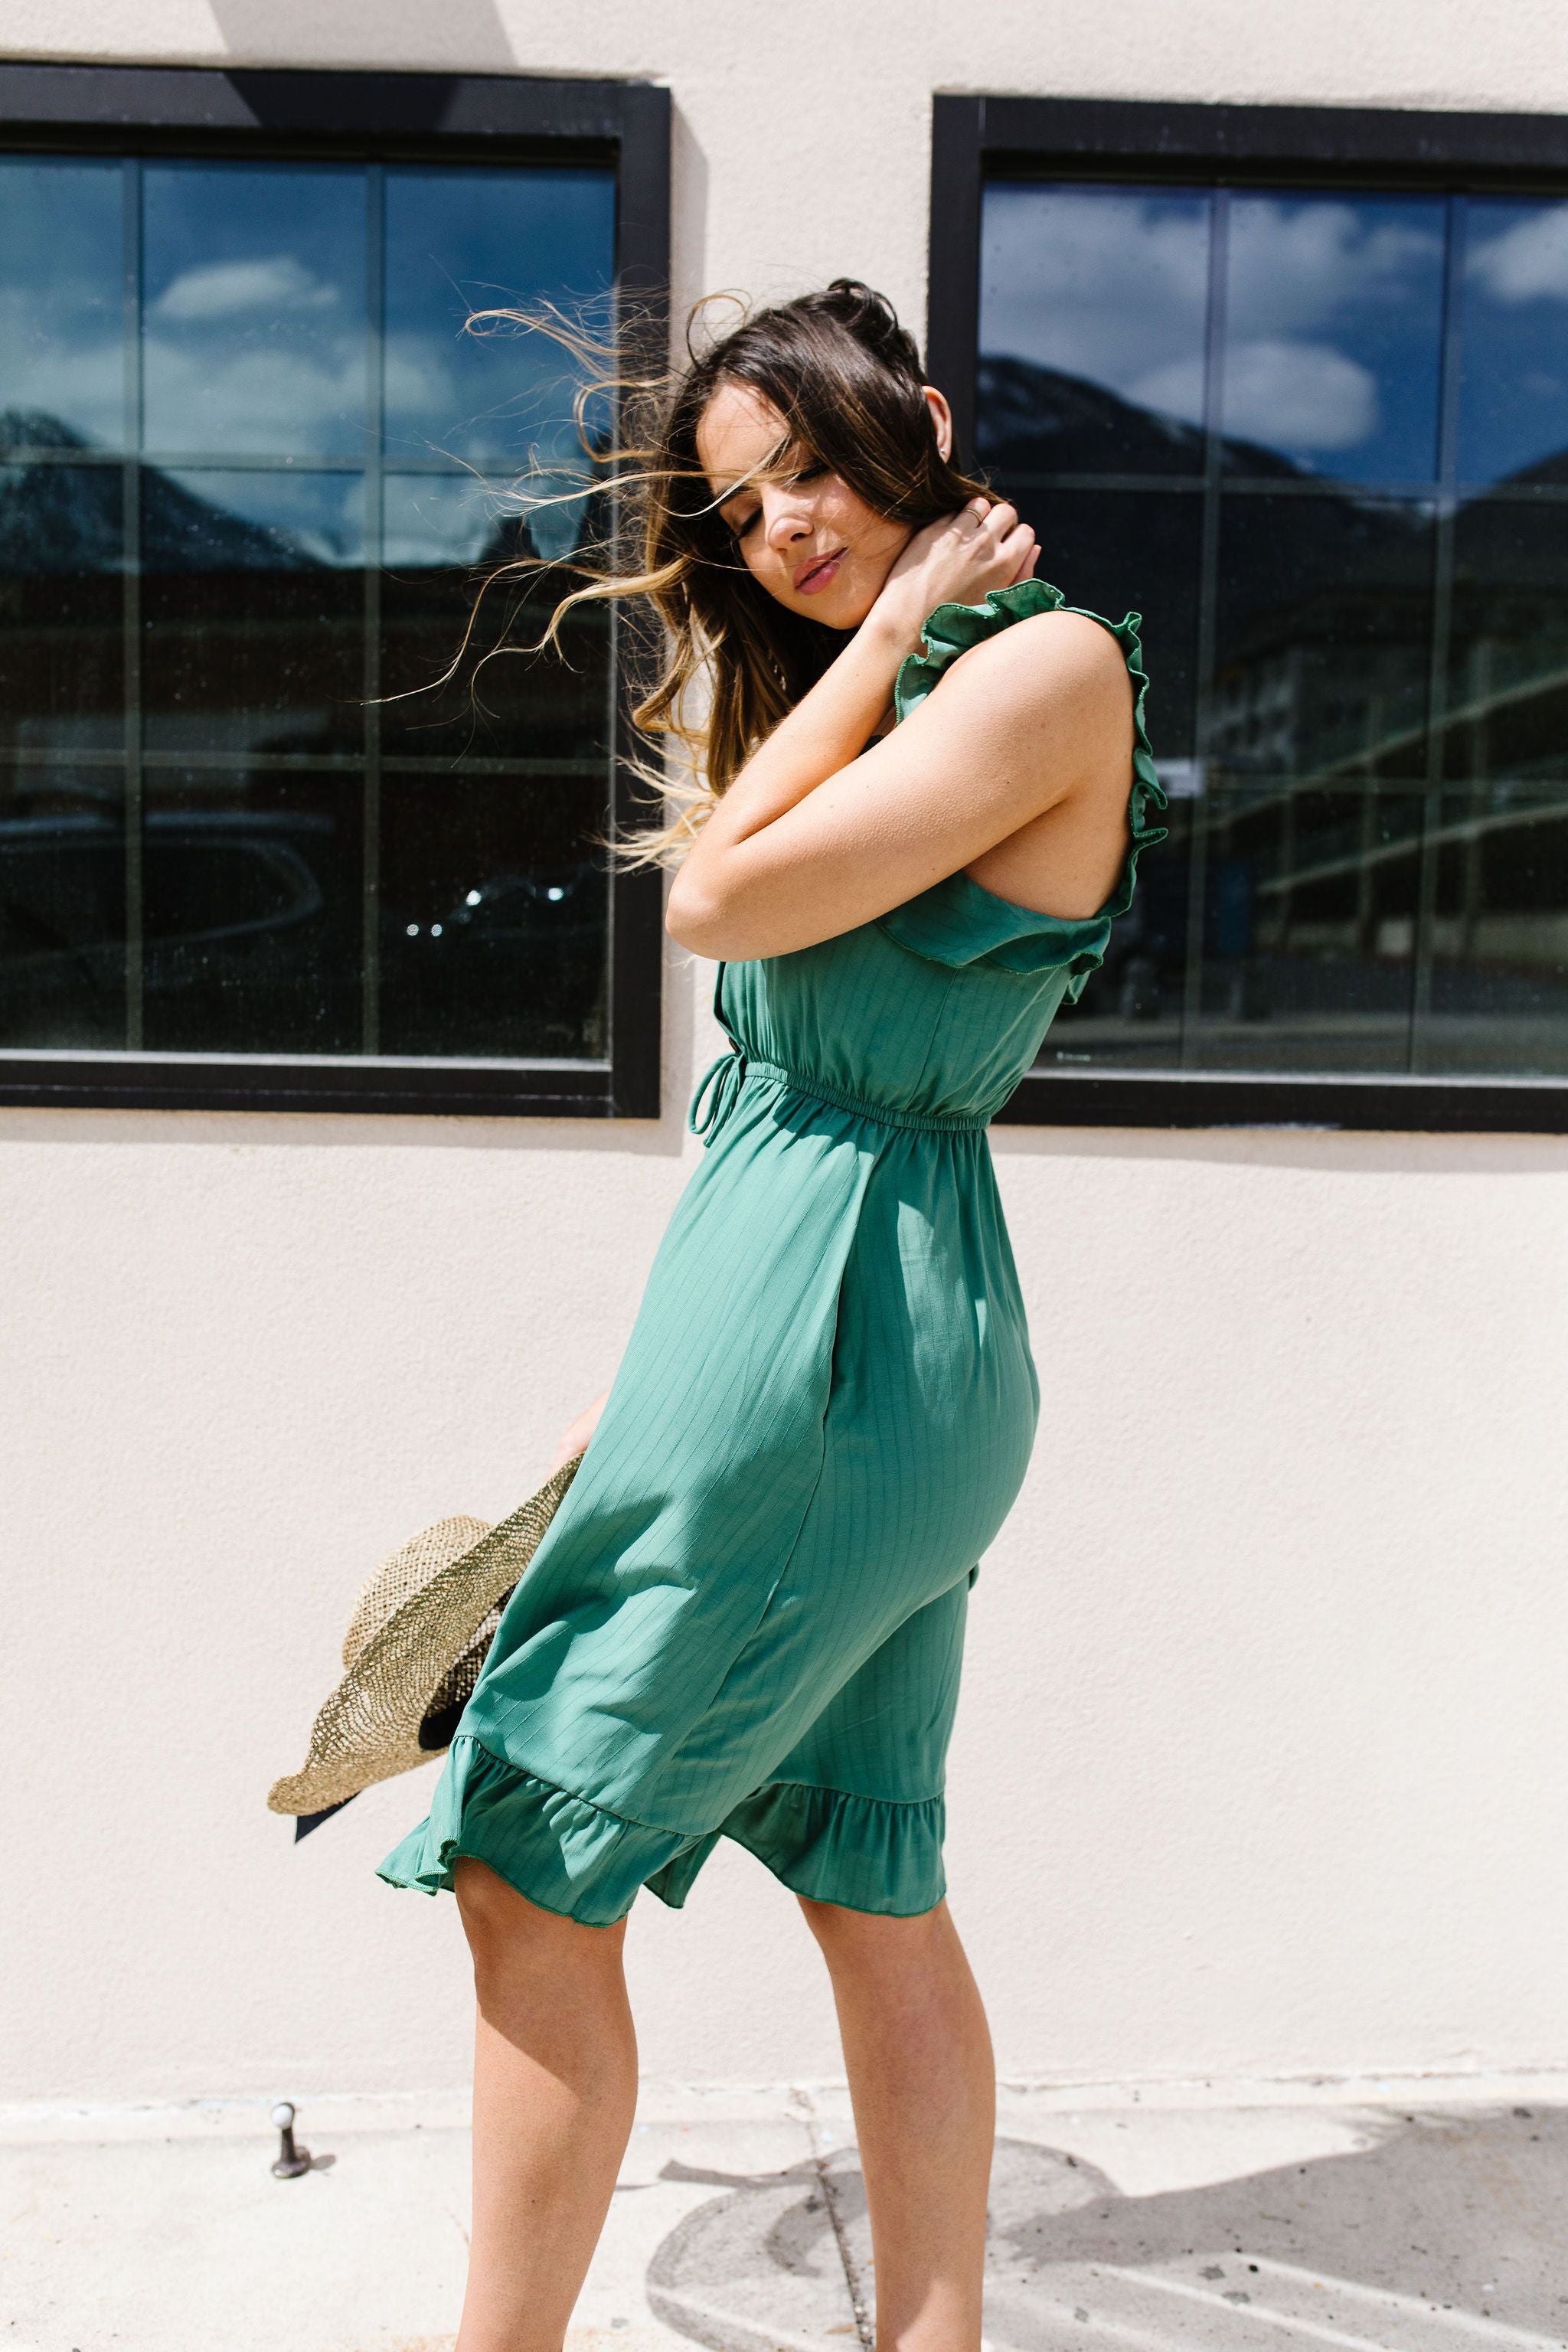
<point x="62" y="303"/>
<point x="1093" y="303"/>
<point x="1499" y="975"/>
<point x="1116" y="551"/>
<point x="276" y="590"/>
<point x="1323" y="637"/>
<point x="61" y="626"/>
<point x="462" y="241"/>
<point x="252" y="913"/>
<point x="444" y="535"/>
<point x="254" y="308"/>
<point x="1513" y="383"/>
<point x="1333" y="333"/>
<point x="1369" y="900"/>
<point x="253" y="601"/>
<point x="1507" y="672"/>
<point x="1129" y="1015"/>
<point x="1314" y="786"/>
<point x="1500" y="979"/>
<point x="1310" y="904"/>
<point x="62" y="908"/>
<point x="494" y="915"/>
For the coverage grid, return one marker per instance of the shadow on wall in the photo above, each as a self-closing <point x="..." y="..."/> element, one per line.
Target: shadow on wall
<point x="1444" y="2223"/>
<point x="394" y="33"/>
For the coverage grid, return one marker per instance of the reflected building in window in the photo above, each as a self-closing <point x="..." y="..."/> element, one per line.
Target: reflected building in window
<point x="1250" y="416"/>
<point x="260" y="797"/>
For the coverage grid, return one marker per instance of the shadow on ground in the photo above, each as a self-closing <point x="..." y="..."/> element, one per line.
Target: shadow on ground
<point x="1447" y="2228"/>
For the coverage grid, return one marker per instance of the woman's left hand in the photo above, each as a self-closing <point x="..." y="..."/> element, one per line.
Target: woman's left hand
<point x="955" y="560"/>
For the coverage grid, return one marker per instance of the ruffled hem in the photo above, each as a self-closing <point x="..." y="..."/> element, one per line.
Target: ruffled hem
<point x="865" y="1854"/>
<point x="958" y="921"/>
<point x="565" y="1855"/>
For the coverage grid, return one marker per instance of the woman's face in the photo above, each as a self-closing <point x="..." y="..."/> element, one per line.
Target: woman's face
<point x="802" y="533"/>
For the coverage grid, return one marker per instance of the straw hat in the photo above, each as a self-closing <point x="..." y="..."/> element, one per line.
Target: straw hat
<point x="416" y="1640"/>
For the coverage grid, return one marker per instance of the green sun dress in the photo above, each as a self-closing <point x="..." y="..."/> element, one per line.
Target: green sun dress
<point x="746" y="1618"/>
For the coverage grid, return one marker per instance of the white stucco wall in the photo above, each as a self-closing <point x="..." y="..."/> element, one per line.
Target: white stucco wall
<point x="1261" y="1766"/>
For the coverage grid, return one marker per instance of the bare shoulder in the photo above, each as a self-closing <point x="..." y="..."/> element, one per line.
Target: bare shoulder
<point x="1052" y="692"/>
<point x="1053" y="649"/>
<point x="1050" y="663"/>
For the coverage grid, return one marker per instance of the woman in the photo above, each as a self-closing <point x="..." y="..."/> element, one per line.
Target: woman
<point x="747" y="1616"/>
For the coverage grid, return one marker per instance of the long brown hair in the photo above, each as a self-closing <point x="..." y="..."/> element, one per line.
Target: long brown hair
<point x="846" y="379"/>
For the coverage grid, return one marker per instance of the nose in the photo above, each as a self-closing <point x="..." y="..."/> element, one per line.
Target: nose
<point x="785" y="518"/>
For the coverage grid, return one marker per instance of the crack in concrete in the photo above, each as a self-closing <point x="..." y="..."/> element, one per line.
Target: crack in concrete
<point x="819" y="2155"/>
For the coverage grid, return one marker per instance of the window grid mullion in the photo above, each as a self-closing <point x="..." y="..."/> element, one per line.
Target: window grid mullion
<point x="1442" y="632"/>
<point x="1208" y="592"/>
<point x="131" y="607"/>
<point x="375" y="407"/>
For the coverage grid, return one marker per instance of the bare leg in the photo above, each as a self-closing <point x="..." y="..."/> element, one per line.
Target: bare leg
<point x="924" y="2086"/>
<point x="555" y="2079"/>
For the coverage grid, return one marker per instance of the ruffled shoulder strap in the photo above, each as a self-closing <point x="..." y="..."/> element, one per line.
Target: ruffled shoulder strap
<point x="959" y="922"/>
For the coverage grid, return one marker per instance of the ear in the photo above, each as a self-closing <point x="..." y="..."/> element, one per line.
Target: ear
<point x="941" y="417"/>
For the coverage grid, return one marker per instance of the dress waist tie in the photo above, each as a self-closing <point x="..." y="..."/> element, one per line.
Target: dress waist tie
<point x="719" y="1090"/>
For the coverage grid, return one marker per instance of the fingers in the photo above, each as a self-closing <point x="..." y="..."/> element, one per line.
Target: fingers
<point x="1002" y="520"/>
<point x="993" y="534"/>
<point x="1017" y="547"/>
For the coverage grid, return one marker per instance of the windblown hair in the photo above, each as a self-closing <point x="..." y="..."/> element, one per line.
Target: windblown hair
<point x="846" y="379"/>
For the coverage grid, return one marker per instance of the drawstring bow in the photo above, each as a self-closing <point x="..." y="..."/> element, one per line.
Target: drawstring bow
<point x="718" y="1091"/>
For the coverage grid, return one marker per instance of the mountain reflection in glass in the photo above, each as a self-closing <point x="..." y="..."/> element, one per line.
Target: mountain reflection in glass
<point x="459" y="243"/>
<point x="1358" y="632"/>
<point x="441" y="533"/>
<point x="1093" y="312"/>
<point x="219" y="845"/>
<point x="253" y="612"/>
<point x="62" y="300"/>
<point x="63" y="636"/>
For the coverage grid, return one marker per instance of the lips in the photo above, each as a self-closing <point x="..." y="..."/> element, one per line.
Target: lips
<point x="818" y="573"/>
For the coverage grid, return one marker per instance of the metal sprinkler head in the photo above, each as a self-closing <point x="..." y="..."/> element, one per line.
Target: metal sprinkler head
<point x="291" y="2161"/>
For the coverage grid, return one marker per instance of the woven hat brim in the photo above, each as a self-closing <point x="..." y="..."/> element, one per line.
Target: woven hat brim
<point x="403" y="1572"/>
<point x="368" y="1729"/>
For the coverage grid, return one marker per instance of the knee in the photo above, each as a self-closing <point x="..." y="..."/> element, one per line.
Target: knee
<point x="873" y="1939"/>
<point x="513" y="1941"/>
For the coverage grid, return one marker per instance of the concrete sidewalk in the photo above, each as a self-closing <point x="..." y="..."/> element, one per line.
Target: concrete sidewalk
<point x="1409" y="2217"/>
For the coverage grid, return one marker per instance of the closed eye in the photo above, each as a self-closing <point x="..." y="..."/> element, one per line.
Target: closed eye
<point x="812" y="472"/>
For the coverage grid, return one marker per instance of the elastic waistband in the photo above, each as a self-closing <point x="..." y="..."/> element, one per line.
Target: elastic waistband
<point x="720" y="1088"/>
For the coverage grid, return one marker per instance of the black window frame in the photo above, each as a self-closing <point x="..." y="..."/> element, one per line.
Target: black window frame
<point x="1177" y="144"/>
<point x="383" y="117"/>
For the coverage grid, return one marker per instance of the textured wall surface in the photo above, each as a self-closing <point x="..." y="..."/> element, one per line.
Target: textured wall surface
<point x="1259" y="1768"/>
